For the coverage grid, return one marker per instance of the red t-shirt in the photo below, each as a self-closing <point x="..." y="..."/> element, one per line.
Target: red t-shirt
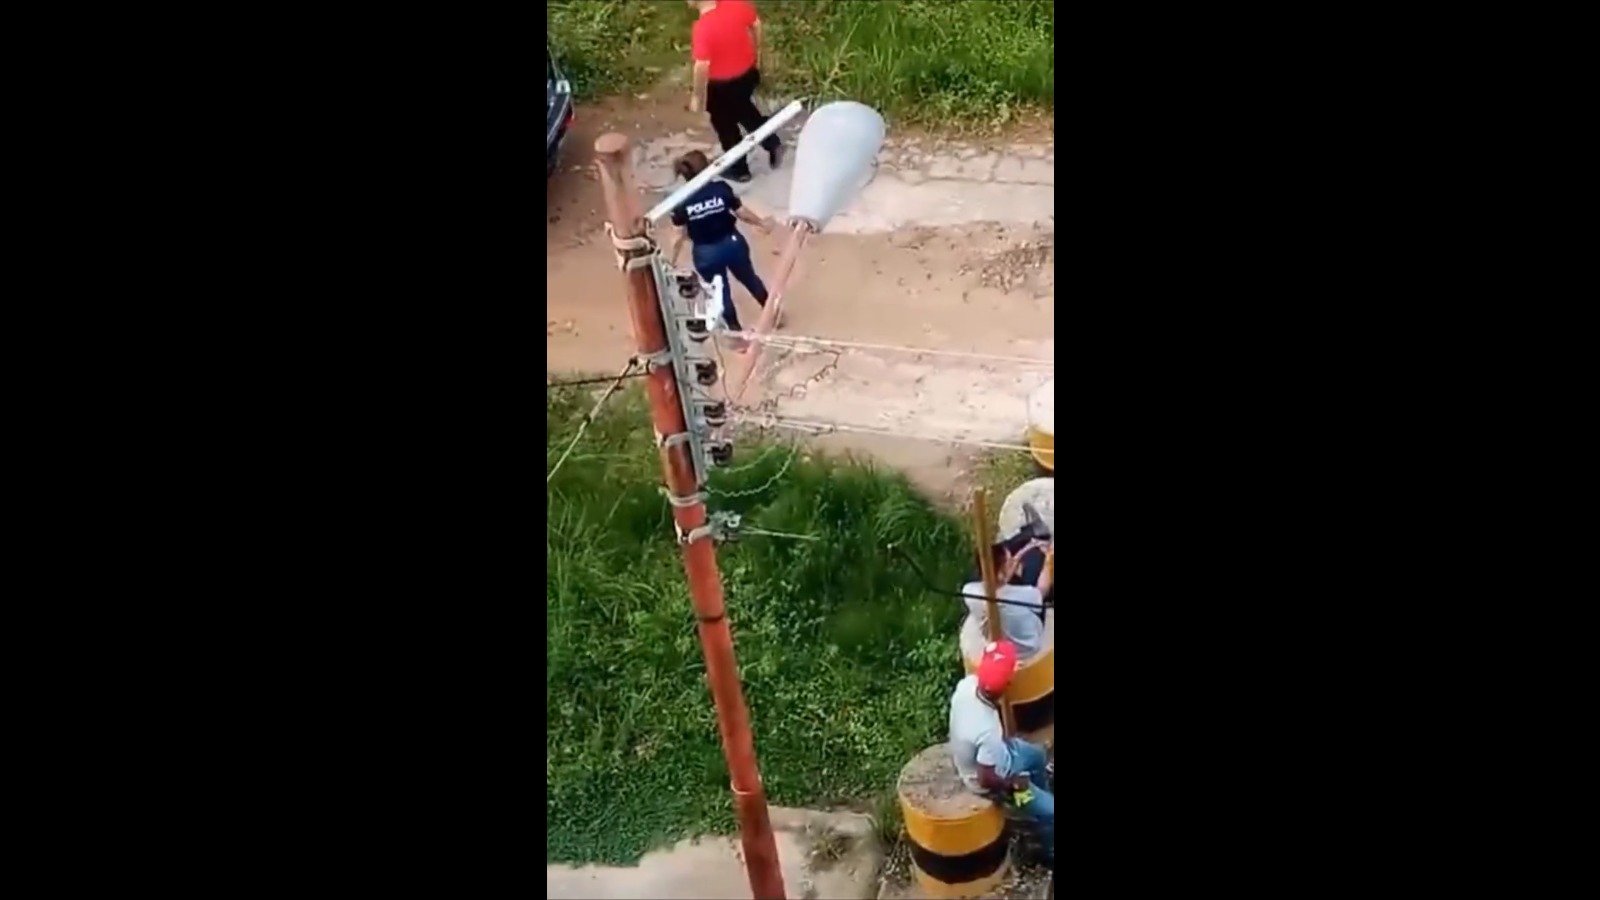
<point x="722" y="38"/>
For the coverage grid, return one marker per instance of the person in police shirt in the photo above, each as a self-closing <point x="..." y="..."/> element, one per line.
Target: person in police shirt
<point x="726" y="46"/>
<point x="710" y="221"/>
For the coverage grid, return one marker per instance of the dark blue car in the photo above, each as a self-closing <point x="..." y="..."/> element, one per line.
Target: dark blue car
<point x="559" y="117"/>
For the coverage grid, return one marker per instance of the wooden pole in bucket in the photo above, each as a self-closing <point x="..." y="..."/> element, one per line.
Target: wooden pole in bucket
<point x="983" y="534"/>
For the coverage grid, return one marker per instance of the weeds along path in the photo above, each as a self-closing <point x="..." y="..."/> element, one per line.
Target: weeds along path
<point x="974" y="63"/>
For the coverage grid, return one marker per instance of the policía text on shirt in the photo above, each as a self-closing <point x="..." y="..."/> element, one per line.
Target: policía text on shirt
<point x="703" y="208"/>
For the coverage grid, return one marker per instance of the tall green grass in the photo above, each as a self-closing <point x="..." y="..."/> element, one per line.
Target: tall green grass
<point x="936" y="62"/>
<point x="951" y="63"/>
<point x="847" y="661"/>
<point x="611" y="46"/>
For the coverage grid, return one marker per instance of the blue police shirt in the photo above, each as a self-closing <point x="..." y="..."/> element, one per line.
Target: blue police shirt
<point x="708" y="215"/>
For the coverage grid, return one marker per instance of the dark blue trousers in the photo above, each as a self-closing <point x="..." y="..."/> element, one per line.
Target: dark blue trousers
<point x="730" y="255"/>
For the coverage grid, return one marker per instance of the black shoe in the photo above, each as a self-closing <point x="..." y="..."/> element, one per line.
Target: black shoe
<point x="776" y="155"/>
<point x="741" y="177"/>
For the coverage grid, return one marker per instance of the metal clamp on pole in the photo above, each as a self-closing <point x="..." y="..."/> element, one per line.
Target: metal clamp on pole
<point x="661" y="359"/>
<point x="707" y="530"/>
<point x="721" y="526"/>
<point x="681" y="502"/>
<point x="730" y="523"/>
<point x="632" y="252"/>
<point x="664" y="442"/>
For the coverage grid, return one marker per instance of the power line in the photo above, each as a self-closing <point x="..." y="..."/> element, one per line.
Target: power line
<point x="804" y="342"/>
<point x="931" y="588"/>
<point x="589" y="417"/>
<point x="731" y="495"/>
<point x="582" y="381"/>
<point x="818" y="428"/>
<point x="762" y="532"/>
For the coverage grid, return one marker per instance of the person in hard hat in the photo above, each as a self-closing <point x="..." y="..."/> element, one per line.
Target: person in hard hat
<point x="710" y="221"/>
<point x="1022" y="605"/>
<point x="1007" y="770"/>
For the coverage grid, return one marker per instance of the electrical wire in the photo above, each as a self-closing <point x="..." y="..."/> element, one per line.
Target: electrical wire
<point x="794" y="450"/>
<point x="753" y="463"/>
<point x="804" y="343"/>
<point x="589" y="417"/>
<point x="762" y="532"/>
<point x="582" y="381"/>
<point x="819" y="428"/>
<point x="931" y="588"/>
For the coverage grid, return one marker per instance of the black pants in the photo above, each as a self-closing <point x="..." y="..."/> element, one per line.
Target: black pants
<point x="731" y="255"/>
<point x="732" y="107"/>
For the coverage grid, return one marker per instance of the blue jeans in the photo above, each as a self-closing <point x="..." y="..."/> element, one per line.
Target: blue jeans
<point x="1030" y="759"/>
<point x="731" y="254"/>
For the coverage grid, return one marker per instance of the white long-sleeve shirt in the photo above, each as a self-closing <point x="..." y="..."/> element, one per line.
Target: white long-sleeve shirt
<point x="976" y="736"/>
<point x="1021" y="624"/>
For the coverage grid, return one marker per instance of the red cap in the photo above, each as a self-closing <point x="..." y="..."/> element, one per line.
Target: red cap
<point x="998" y="664"/>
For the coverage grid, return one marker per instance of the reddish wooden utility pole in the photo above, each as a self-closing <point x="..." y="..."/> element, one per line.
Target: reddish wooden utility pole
<point x="689" y="512"/>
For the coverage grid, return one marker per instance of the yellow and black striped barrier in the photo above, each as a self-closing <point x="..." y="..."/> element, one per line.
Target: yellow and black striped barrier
<point x="1033" y="689"/>
<point x="958" y="840"/>
<point x="1042" y="427"/>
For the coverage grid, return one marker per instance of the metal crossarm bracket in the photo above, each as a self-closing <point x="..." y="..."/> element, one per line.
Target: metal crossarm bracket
<point x="704" y="531"/>
<point x="661" y="359"/>
<point x="672" y="440"/>
<point x="641" y="245"/>
<point x="681" y="502"/>
<point x="624" y="244"/>
<point x="722" y="526"/>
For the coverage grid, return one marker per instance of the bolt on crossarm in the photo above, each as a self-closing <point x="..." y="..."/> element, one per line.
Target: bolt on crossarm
<point x="637" y="253"/>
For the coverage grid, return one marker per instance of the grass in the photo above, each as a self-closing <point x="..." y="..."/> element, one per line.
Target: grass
<point x="616" y="46"/>
<point x="847" y="661"/>
<point x="1000" y="473"/>
<point x="958" y="64"/>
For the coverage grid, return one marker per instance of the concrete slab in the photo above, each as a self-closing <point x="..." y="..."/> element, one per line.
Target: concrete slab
<point x="824" y="855"/>
<point x="935" y="396"/>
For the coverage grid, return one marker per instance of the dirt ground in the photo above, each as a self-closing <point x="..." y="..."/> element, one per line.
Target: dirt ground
<point x="952" y="247"/>
<point x="823" y="856"/>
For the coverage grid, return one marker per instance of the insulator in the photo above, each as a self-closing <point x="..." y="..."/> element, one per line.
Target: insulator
<point x="705" y="372"/>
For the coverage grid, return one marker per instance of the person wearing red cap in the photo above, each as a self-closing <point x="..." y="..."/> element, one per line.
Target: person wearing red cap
<point x="1006" y="770"/>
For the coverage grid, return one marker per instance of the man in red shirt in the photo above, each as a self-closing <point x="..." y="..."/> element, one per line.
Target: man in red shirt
<point x="726" y="46"/>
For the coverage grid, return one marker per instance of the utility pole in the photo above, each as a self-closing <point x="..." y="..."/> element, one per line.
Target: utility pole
<point x="676" y="425"/>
